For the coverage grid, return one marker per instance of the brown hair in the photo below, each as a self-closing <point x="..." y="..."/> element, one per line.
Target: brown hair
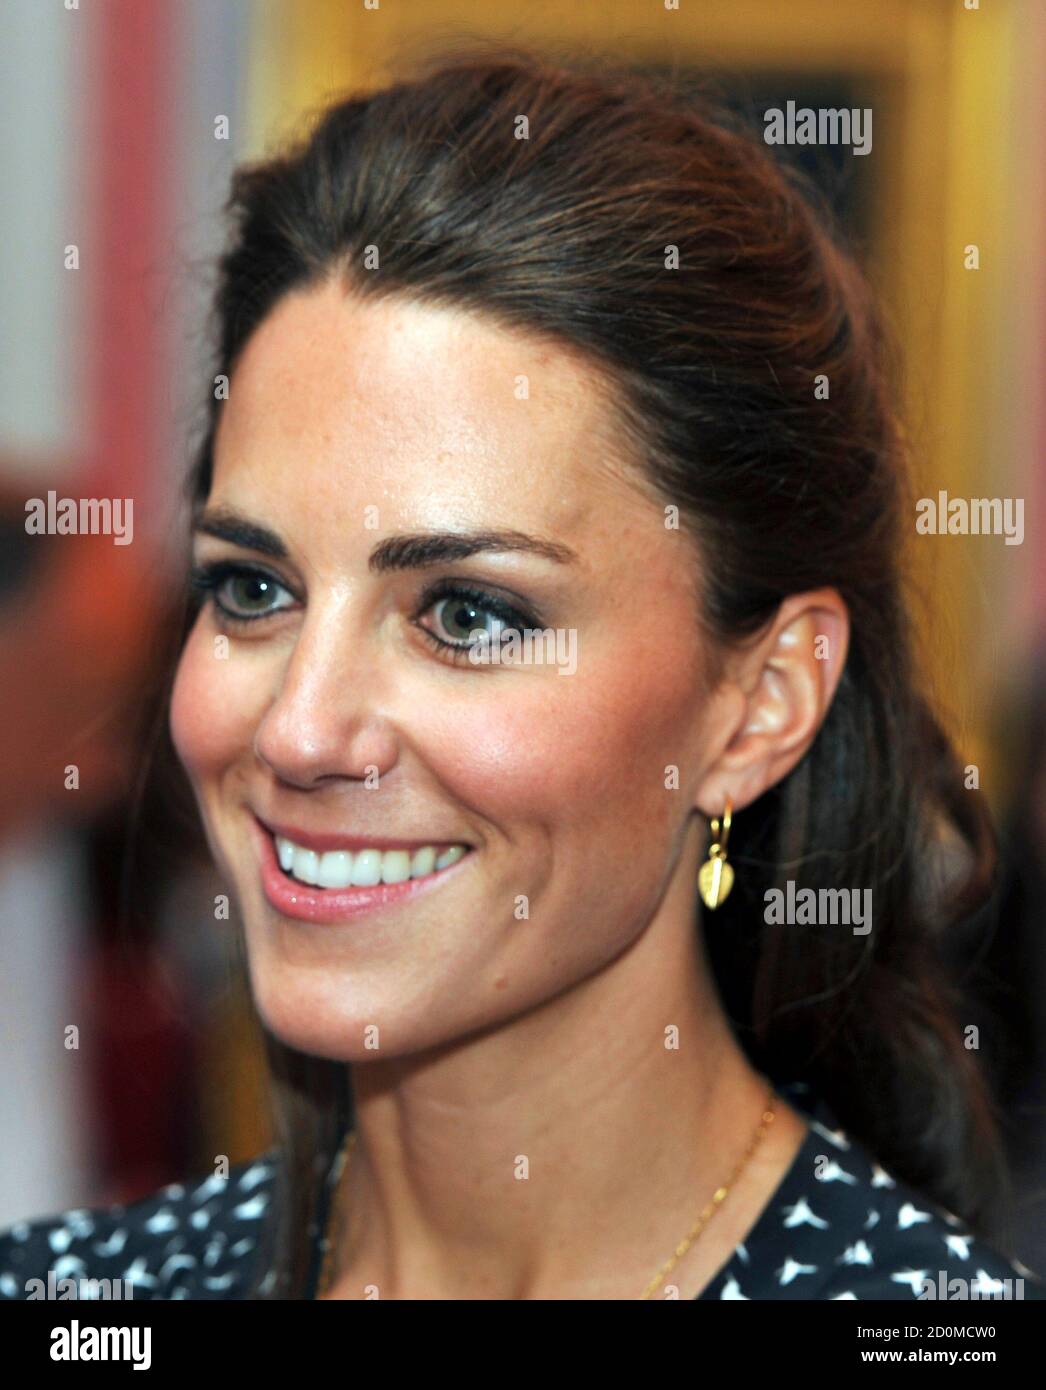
<point x="565" y="233"/>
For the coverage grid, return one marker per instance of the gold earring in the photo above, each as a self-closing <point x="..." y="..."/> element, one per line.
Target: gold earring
<point x="717" y="877"/>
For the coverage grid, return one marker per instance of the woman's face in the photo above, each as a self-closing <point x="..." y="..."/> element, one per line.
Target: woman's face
<point x="333" y="714"/>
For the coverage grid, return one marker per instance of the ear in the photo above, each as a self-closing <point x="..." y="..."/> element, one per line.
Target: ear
<point x="786" y="682"/>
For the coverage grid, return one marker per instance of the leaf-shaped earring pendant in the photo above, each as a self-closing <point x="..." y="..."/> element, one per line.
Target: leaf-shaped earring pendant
<point x="715" y="881"/>
<point x="717" y="877"/>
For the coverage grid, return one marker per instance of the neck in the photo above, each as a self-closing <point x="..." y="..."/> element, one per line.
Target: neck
<point x="570" y="1150"/>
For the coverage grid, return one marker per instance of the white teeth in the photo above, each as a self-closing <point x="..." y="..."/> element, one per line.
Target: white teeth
<point x="422" y="861"/>
<point x="335" y="869"/>
<point x="306" y="866"/>
<point x="395" y="866"/>
<point x="365" y="868"/>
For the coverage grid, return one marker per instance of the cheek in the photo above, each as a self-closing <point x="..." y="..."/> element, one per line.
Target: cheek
<point x="211" y="718"/>
<point x="586" y="757"/>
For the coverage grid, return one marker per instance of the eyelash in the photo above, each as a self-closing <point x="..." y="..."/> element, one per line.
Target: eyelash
<point x="207" y="580"/>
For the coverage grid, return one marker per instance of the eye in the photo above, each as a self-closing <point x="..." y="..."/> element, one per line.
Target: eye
<point x="460" y="618"/>
<point x="462" y="611"/>
<point x="240" y="593"/>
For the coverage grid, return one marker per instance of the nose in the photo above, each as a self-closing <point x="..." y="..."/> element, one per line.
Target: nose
<point x="326" y="719"/>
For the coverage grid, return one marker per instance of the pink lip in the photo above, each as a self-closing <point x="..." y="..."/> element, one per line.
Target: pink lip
<point x="328" y="905"/>
<point x="321" y="843"/>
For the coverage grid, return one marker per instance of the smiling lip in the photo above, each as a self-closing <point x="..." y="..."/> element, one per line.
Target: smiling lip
<point x="322" y="843"/>
<point x="329" y="905"/>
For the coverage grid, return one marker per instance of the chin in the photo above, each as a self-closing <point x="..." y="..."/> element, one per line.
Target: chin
<point x="322" y="1011"/>
<point x="314" y="1026"/>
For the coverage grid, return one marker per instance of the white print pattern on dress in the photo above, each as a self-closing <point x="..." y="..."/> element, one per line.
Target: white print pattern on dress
<point x="828" y="1233"/>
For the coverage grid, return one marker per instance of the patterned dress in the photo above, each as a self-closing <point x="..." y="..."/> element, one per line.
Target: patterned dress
<point x="838" y="1226"/>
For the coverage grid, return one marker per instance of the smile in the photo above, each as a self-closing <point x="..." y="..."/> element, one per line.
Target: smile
<point x="365" y="868"/>
<point x="332" y="878"/>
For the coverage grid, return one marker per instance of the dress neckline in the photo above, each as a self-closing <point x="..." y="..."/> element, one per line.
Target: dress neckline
<point x="815" y="1111"/>
<point x="821" y="1121"/>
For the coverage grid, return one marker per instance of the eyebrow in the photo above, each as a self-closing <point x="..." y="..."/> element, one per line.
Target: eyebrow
<point x="404" y="552"/>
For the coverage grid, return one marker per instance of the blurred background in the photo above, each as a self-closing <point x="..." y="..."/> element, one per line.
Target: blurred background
<point x="129" y="1054"/>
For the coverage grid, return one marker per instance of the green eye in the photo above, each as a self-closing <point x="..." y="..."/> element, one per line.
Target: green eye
<point x="240" y="593"/>
<point x="248" y="594"/>
<point x="461" y="617"/>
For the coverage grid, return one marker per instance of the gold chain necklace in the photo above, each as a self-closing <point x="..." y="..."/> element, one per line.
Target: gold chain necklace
<point x="766" y="1119"/>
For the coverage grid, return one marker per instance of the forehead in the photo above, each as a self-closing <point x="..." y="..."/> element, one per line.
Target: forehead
<point x="438" y="414"/>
